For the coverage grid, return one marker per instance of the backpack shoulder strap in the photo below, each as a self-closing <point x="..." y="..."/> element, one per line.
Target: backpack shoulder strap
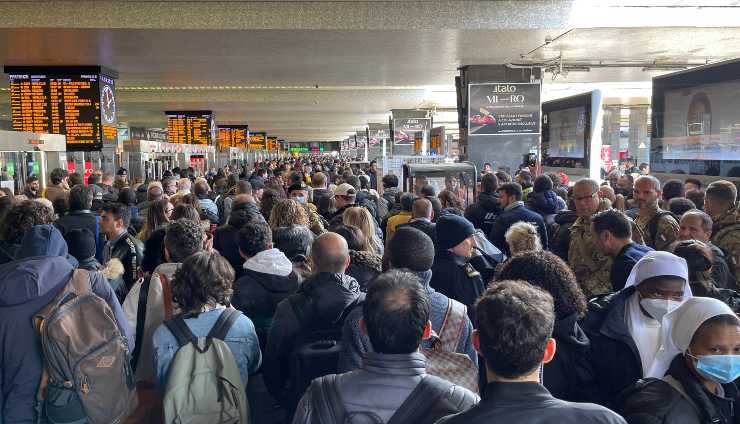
<point x="140" y="321"/>
<point x="427" y="392"/>
<point x="224" y="323"/>
<point x="453" y="326"/>
<point x="676" y="385"/>
<point x="166" y="295"/>
<point x="298" y="305"/>
<point x="180" y="330"/>
<point x="80" y="283"/>
<point x="326" y="401"/>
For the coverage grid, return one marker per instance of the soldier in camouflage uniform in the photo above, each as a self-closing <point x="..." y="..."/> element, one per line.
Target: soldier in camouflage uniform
<point x="719" y="203"/>
<point x="591" y="267"/>
<point x="658" y="227"/>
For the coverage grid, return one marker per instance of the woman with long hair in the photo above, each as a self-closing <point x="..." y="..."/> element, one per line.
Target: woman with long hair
<point x="157" y="216"/>
<point x="288" y="212"/>
<point x="360" y="217"/>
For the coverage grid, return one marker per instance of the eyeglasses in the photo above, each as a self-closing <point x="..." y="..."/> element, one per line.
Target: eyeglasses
<point x="579" y="199"/>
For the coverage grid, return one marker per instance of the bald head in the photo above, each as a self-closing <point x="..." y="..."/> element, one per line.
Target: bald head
<point x="329" y="253"/>
<point x="422" y="208"/>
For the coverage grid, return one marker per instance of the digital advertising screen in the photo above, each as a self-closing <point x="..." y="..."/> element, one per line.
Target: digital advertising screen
<point x="503" y="109"/>
<point x="696" y="121"/>
<point x="79" y="102"/>
<point x="567" y="132"/>
<point x="406" y="130"/>
<point x="190" y="127"/>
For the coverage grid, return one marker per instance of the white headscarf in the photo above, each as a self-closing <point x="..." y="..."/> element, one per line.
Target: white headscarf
<point x="654" y="264"/>
<point x="691" y="315"/>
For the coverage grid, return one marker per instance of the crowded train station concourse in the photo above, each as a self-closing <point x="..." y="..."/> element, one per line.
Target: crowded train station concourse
<point x="369" y="212"/>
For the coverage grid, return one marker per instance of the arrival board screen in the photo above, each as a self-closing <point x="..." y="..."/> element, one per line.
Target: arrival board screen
<point x="258" y="141"/>
<point x="233" y="136"/>
<point x="191" y="127"/>
<point x="81" y="106"/>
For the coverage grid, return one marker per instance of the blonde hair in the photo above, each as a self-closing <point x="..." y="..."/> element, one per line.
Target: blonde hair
<point x="360" y="217"/>
<point x="522" y="237"/>
<point x="287" y="212"/>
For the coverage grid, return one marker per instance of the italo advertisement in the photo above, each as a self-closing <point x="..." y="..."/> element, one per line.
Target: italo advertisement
<point x="405" y="131"/>
<point x="503" y="109"/>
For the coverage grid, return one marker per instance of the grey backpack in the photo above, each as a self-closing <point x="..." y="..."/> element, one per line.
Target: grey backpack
<point x="203" y="382"/>
<point x="87" y="375"/>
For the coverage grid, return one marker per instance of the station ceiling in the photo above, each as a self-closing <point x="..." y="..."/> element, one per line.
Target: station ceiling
<point x="312" y="71"/>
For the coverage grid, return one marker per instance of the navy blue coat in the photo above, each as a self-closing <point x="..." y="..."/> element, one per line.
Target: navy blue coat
<point x="512" y="216"/>
<point x="624" y="262"/>
<point x="27" y="285"/>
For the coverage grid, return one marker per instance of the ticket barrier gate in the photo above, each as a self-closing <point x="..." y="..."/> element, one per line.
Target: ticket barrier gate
<point x="23" y="154"/>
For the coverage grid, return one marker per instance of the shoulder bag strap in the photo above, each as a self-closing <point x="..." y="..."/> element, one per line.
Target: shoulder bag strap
<point x="166" y="295"/>
<point x="140" y="321"/>
<point x="417" y="403"/>
<point x="454" y="325"/>
<point x="326" y="401"/>
<point x="224" y="323"/>
<point x="180" y="330"/>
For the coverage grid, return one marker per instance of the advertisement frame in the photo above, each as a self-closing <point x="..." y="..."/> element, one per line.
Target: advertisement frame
<point x="537" y="120"/>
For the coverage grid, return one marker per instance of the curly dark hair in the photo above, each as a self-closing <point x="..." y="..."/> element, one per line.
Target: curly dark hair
<point x="205" y="278"/>
<point x="547" y="271"/>
<point x="183" y="237"/>
<point x="269" y="198"/>
<point x="22" y="217"/>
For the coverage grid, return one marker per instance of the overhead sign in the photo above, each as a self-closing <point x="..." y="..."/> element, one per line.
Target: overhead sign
<point x="191" y="127"/>
<point x="272" y="144"/>
<point x="233" y="136"/>
<point x="405" y="130"/>
<point x="79" y="102"/>
<point x="258" y="141"/>
<point x="378" y="132"/>
<point x="503" y="109"/>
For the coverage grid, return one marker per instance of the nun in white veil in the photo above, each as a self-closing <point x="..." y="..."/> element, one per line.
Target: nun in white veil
<point x="661" y="283"/>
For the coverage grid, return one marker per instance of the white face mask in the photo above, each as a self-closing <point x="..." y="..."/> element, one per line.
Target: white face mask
<point x="658" y="308"/>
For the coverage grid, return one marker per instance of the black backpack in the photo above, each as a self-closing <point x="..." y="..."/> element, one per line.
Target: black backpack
<point x="316" y="351"/>
<point x="430" y="400"/>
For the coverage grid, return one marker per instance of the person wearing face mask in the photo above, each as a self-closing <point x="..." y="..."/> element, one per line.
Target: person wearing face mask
<point x="626" y="327"/>
<point x="299" y="193"/>
<point x="698" y="386"/>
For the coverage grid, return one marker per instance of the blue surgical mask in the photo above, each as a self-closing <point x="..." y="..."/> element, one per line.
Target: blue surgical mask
<point x="723" y="369"/>
<point x="300" y="199"/>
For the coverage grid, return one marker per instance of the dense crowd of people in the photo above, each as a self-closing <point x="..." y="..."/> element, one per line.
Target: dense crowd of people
<point x="309" y="290"/>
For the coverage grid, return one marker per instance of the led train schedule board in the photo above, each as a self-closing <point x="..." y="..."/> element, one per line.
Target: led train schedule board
<point x="272" y="143"/>
<point x="233" y="136"/>
<point x="258" y="141"/>
<point x="191" y="127"/>
<point x="79" y="102"/>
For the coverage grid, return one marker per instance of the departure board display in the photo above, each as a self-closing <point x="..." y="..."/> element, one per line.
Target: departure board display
<point x="258" y="141"/>
<point x="191" y="127"/>
<point x="233" y="136"/>
<point x="78" y="102"/>
<point x="272" y="143"/>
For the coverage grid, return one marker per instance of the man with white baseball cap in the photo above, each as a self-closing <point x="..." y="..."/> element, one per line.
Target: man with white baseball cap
<point x="698" y="386"/>
<point x="626" y="328"/>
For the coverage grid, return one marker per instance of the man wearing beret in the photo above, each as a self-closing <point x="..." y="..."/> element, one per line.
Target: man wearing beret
<point x="452" y="275"/>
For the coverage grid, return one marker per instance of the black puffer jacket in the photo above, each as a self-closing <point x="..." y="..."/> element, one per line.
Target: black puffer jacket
<point x="130" y="251"/>
<point x="483" y="212"/>
<point x="257" y="295"/>
<point x="569" y="375"/>
<point x="328" y="298"/>
<point x="364" y="267"/>
<point x="559" y="233"/>
<point x="614" y="357"/>
<point x="655" y="401"/>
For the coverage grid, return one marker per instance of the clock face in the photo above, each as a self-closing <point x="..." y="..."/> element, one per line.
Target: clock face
<point x="108" y="105"/>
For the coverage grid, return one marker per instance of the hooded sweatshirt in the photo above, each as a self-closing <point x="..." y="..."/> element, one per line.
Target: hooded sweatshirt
<point x="484" y="212"/>
<point x="41" y="270"/>
<point x="268" y="279"/>
<point x="545" y="202"/>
